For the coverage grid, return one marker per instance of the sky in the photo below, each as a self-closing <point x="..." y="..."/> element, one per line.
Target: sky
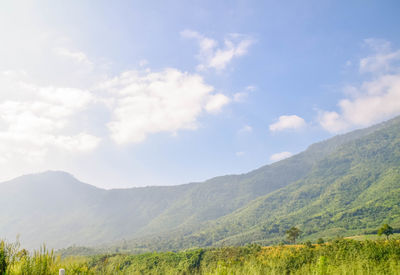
<point x="139" y="93"/>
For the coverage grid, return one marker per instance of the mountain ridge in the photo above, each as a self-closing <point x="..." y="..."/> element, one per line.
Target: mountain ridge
<point x="254" y="222"/>
<point x="98" y="216"/>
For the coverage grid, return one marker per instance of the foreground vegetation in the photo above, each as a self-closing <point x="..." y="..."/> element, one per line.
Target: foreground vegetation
<point x="340" y="256"/>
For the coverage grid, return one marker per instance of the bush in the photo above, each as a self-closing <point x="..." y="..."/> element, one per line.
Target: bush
<point x="320" y="241"/>
<point x="308" y="244"/>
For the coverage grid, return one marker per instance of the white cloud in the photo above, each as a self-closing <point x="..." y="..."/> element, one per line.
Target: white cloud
<point x="34" y="119"/>
<point x="251" y="88"/>
<point x="378" y="63"/>
<point x="152" y="102"/>
<point x="54" y="116"/>
<point x="287" y="122"/>
<point x="372" y="101"/>
<point x="332" y="122"/>
<point x="143" y="62"/>
<point x="246" y="129"/>
<point x="215" y="103"/>
<point x="241" y="96"/>
<point x="76" y="56"/>
<point x="381" y="61"/>
<point x="280" y="156"/>
<point x="377" y="100"/>
<point x="212" y="56"/>
<point x="239" y="154"/>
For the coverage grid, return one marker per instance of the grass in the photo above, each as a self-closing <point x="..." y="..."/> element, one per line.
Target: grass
<point x="339" y="256"/>
<point x="372" y="237"/>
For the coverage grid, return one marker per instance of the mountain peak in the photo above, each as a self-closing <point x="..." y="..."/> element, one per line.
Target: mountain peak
<point x="49" y="175"/>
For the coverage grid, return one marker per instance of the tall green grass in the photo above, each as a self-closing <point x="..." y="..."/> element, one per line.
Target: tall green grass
<point x="340" y="256"/>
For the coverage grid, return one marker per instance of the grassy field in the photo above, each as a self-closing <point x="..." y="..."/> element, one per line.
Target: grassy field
<point x="339" y="256"/>
<point x="371" y="237"/>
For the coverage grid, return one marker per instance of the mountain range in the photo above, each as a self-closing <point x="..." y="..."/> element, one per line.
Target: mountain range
<point x="349" y="184"/>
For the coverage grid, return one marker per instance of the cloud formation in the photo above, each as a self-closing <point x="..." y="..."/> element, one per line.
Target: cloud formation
<point x="66" y="105"/>
<point x="241" y="96"/>
<point x="372" y="101"/>
<point x="212" y="56"/>
<point x="240" y="154"/>
<point x="377" y="100"/>
<point x="152" y="102"/>
<point x="289" y="122"/>
<point x="383" y="58"/>
<point x="280" y="156"/>
<point x="35" y="119"/>
<point x="76" y="56"/>
<point x="246" y="129"/>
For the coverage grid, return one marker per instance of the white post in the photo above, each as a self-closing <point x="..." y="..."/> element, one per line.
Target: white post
<point x="61" y="271"/>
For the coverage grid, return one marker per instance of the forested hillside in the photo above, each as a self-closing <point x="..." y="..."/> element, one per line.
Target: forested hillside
<point x="353" y="189"/>
<point x="344" y="185"/>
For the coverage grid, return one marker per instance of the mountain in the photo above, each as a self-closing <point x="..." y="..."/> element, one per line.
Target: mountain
<point x="345" y="184"/>
<point x="56" y="209"/>
<point x="353" y="189"/>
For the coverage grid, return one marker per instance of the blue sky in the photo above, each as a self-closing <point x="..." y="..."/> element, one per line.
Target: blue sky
<point x="135" y="93"/>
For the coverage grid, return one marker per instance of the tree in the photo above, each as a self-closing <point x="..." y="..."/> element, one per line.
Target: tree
<point x="293" y="233"/>
<point x="3" y="260"/>
<point x="308" y="244"/>
<point x="385" y="230"/>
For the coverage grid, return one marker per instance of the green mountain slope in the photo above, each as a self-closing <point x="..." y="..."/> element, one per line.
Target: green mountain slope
<point x="320" y="190"/>
<point x="353" y="189"/>
<point x="220" y="196"/>
<point x="55" y="208"/>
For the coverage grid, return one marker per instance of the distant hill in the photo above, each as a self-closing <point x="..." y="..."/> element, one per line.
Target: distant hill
<point x="345" y="184"/>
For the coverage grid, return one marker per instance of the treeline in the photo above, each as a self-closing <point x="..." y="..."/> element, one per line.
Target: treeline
<point x="179" y="241"/>
<point x="339" y="256"/>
